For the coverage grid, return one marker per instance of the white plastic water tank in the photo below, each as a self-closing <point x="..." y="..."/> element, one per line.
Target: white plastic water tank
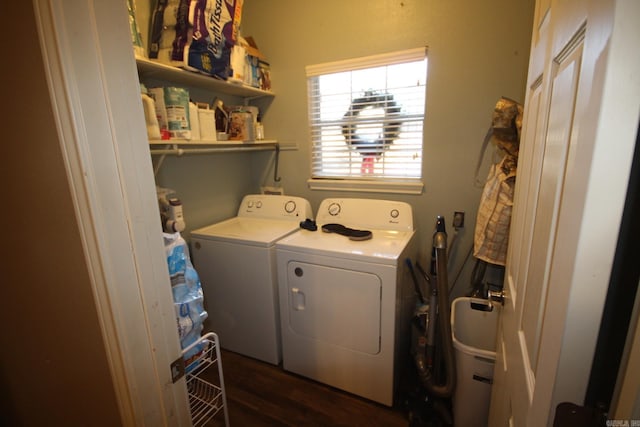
<point x="474" y="340"/>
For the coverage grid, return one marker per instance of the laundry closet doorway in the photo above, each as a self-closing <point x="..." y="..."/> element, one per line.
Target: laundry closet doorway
<point x="94" y="91"/>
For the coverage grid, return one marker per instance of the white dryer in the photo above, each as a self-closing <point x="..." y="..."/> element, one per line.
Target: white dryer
<point x="346" y="304"/>
<point x="236" y="261"/>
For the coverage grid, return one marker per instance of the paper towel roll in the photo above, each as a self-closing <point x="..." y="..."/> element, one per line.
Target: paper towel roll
<point x="170" y="15"/>
<point x="164" y="57"/>
<point x="167" y="38"/>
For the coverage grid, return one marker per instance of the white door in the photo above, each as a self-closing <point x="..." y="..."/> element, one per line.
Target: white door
<point x="581" y="115"/>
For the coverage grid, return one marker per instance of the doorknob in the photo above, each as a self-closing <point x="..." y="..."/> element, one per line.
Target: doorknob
<point x="496" y="296"/>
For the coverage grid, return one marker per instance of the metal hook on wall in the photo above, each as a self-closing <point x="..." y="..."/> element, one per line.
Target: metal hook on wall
<point x="276" y="178"/>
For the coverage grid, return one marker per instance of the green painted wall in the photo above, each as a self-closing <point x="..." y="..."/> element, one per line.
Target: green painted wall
<point x="478" y="51"/>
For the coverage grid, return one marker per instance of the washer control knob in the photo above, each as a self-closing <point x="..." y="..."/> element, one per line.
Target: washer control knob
<point x="290" y="206"/>
<point x="258" y="204"/>
<point x="250" y="204"/>
<point x="395" y="213"/>
<point x="334" y="209"/>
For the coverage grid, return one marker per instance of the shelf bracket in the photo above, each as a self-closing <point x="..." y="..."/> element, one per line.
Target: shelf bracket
<point x="277" y="178"/>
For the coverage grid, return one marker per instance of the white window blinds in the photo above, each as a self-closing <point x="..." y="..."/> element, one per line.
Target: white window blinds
<point x="366" y="116"/>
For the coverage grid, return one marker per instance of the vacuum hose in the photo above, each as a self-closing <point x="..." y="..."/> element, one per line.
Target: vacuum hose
<point x="423" y="362"/>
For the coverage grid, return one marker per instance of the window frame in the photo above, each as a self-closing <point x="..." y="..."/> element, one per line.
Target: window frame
<point x="364" y="183"/>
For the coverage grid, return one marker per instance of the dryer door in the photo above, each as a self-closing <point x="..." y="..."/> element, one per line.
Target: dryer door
<point x="335" y="306"/>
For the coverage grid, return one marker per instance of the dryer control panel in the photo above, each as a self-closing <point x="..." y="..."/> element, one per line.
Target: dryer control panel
<point x="366" y="214"/>
<point x="275" y="206"/>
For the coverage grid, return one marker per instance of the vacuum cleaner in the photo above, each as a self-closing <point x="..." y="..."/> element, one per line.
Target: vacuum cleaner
<point x="433" y="356"/>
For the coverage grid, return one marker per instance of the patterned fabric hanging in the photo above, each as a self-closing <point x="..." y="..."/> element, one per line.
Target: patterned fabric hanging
<point x="491" y="236"/>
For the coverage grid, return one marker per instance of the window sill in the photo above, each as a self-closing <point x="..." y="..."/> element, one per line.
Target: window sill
<point x="397" y="187"/>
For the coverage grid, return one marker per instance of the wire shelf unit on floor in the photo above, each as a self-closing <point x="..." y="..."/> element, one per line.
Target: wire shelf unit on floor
<point x="205" y="385"/>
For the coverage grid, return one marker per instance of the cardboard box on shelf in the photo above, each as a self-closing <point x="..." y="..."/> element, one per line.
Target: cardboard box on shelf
<point x="256" y="64"/>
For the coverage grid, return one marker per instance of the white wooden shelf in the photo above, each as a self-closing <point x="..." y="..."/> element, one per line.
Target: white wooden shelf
<point x="148" y="69"/>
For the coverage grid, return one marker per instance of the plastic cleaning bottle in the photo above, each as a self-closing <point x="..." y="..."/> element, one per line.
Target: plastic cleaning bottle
<point x="153" y="129"/>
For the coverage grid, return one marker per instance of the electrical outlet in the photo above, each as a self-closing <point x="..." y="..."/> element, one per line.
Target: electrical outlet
<point x="458" y="219"/>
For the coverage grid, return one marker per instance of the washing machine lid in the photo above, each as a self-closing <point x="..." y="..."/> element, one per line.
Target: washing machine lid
<point x="385" y="247"/>
<point x="250" y="231"/>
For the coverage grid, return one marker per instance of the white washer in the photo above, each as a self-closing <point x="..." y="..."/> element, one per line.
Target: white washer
<point x="236" y="262"/>
<point x="346" y="305"/>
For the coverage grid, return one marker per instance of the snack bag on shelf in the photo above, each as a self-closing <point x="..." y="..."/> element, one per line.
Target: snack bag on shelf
<point x="176" y="102"/>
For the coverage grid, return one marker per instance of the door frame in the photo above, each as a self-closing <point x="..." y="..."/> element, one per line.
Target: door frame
<point x="93" y="88"/>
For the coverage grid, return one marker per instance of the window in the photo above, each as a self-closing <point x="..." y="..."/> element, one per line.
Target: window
<point x="366" y="119"/>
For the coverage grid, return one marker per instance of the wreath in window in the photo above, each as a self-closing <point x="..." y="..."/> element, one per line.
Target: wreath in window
<point x="371" y="147"/>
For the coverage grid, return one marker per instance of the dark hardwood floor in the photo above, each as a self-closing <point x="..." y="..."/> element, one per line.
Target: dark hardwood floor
<point x="260" y="394"/>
